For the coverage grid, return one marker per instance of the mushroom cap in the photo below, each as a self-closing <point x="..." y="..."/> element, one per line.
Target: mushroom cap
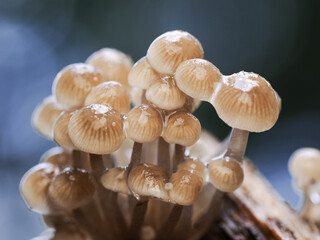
<point x="197" y="78"/>
<point x="143" y="124"/>
<point x="115" y="179"/>
<point x="192" y="164"/>
<point x="148" y="180"/>
<point x="142" y="75"/>
<point x="226" y="174"/>
<point x="304" y="165"/>
<point x="60" y="130"/>
<point x="110" y="93"/>
<point x="182" y="128"/>
<point x="247" y="101"/>
<point x="34" y="187"/>
<point x="168" y="50"/>
<point x="72" y="188"/>
<point x="74" y="82"/>
<point x="58" y="156"/>
<point x="44" y="116"/>
<point x="165" y="94"/>
<point x="96" y="129"/>
<point x="136" y="95"/>
<point x="185" y="187"/>
<point x="114" y="64"/>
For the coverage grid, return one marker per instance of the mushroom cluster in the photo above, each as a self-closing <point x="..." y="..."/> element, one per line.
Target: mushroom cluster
<point x="138" y="173"/>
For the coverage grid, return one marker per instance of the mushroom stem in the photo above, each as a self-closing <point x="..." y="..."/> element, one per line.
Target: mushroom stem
<point x="237" y="144"/>
<point x="135" y="156"/>
<point x="178" y="156"/>
<point x="164" y="155"/>
<point x="184" y="226"/>
<point x="143" y="97"/>
<point x="139" y="213"/>
<point x="76" y="158"/>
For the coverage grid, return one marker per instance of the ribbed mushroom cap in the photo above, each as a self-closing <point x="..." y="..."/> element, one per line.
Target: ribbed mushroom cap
<point x="148" y="180"/>
<point x="110" y="93"/>
<point x="304" y="165"/>
<point x="115" y="179"/>
<point x="184" y="187"/>
<point x="193" y="164"/>
<point x="72" y="188"/>
<point x="136" y="95"/>
<point x="58" y="156"/>
<point x="247" y="101"/>
<point x="168" y="50"/>
<point x="34" y="187"/>
<point x="45" y="115"/>
<point x="74" y="82"/>
<point x="142" y="75"/>
<point x="143" y="124"/>
<point x="197" y="78"/>
<point x="225" y="174"/>
<point x="165" y="94"/>
<point x="96" y="129"/>
<point x="60" y="130"/>
<point x="114" y="64"/>
<point x="182" y="128"/>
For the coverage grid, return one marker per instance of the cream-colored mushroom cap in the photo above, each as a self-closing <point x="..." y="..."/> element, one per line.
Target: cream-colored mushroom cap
<point x="197" y="78"/>
<point x="45" y="115"/>
<point x="115" y="179"/>
<point x="226" y="174"/>
<point x="247" y="101"/>
<point x="192" y="164"/>
<point x="34" y="187"/>
<point x="96" y="129"/>
<point x="142" y="75"/>
<point x="58" y="156"/>
<point x="148" y="180"/>
<point x="114" y="64"/>
<point x="184" y="187"/>
<point x="73" y="83"/>
<point x="60" y="130"/>
<point x="168" y="50"/>
<point x="182" y="128"/>
<point x="165" y="94"/>
<point x="136" y="95"/>
<point x="110" y="93"/>
<point x="143" y="124"/>
<point x="304" y="165"/>
<point x="72" y="188"/>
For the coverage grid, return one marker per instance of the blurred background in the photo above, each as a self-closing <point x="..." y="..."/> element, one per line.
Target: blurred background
<point x="277" y="39"/>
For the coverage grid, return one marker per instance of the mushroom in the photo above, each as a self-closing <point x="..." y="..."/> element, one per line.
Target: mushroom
<point x="58" y="156"/>
<point x="115" y="179"/>
<point x="192" y="164"/>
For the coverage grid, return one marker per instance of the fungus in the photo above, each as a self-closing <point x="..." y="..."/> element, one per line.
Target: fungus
<point x="115" y="179"/>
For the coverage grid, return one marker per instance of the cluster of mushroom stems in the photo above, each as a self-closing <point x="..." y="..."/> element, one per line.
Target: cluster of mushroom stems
<point x="121" y="173"/>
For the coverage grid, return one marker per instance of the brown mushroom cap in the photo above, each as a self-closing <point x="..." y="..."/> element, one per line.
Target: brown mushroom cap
<point x="115" y="179"/>
<point x="45" y="115"/>
<point x="247" y="101"/>
<point x="148" y="180"/>
<point x="74" y="82"/>
<point x="114" y="64"/>
<point x="197" y="78"/>
<point x="143" y="124"/>
<point x="96" y="129"/>
<point x="71" y="189"/>
<point x="58" y="156"/>
<point x="60" y="130"/>
<point x="185" y="187"/>
<point x="142" y="75"/>
<point x="226" y="174"/>
<point x="110" y="93"/>
<point x="193" y="164"/>
<point x="168" y="50"/>
<point x="182" y="128"/>
<point x="165" y="94"/>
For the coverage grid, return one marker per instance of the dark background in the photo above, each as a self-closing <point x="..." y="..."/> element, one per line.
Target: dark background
<point x="277" y="39"/>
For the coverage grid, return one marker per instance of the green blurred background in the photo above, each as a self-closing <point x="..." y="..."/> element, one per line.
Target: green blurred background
<point x="277" y="39"/>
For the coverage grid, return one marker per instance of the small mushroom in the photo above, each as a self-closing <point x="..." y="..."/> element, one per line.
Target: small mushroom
<point x="58" y="156"/>
<point x="115" y="179"/>
<point x="192" y="164"/>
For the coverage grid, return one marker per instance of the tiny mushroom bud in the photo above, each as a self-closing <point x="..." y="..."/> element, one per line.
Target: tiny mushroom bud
<point x="58" y="156"/>
<point x="72" y="188"/>
<point x="45" y="115"/>
<point x="114" y="64"/>
<point x="182" y="128"/>
<point x="184" y="187"/>
<point x="34" y="187"/>
<point x="168" y="50"/>
<point x="115" y="179"/>
<point x="226" y="174"/>
<point x="74" y="82"/>
<point x="60" y="130"/>
<point x="96" y="129"/>
<point x="193" y="164"/>
<point x="110" y="93"/>
<point x="148" y="180"/>
<point x="165" y="94"/>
